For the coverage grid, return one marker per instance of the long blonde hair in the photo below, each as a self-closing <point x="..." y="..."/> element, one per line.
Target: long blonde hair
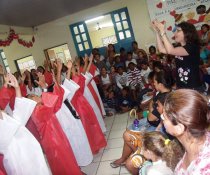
<point x="170" y="152"/>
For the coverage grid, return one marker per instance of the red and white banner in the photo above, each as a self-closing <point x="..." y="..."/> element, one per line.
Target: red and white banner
<point x="173" y="12"/>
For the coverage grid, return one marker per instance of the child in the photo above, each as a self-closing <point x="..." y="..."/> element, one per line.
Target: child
<point x="129" y="59"/>
<point x="22" y="153"/>
<point x="163" y="153"/>
<point x="152" y="51"/>
<point x="110" y="102"/>
<point x="134" y="79"/>
<point x="121" y="78"/>
<point x="145" y="70"/>
<point x="125" y="102"/>
<point x="106" y="80"/>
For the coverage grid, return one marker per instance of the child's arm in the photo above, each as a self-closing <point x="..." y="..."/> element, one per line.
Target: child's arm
<point x="159" y="126"/>
<point x="69" y="66"/>
<point x="19" y="114"/>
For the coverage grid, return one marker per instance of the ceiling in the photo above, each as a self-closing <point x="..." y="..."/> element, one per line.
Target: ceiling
<point x="30" y="13"/>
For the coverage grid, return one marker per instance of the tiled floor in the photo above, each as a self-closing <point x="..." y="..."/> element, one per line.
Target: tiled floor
<point x="115" y="125"/>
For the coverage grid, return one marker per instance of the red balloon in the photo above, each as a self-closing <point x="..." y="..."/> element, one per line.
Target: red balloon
<point x="30" y="44"/>
<point x="15" y="36"/>
<point x="8" y="42"/>
<point x="20" y="41"/>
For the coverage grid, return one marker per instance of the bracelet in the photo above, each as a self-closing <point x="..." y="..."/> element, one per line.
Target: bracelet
<point x="162" y="34"/>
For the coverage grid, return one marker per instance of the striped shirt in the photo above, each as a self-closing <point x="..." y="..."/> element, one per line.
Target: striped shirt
<point x="134" y="77"/>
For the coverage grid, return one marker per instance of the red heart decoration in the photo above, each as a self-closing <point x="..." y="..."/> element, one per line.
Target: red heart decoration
<point x="163" y="22"/>
<point x="173" y="13"/>
<point x="159" y="5"/>
<point x="169" y="28"/>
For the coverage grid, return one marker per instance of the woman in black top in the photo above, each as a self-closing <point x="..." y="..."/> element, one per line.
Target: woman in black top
<point x="163" y="83"/>
<point x="187" y="55"/>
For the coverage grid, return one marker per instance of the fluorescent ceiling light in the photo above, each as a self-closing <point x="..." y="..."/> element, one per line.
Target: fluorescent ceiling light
<point x="94" y="19"/>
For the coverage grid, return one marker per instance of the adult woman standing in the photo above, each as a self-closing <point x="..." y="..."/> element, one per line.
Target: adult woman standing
<point x="187" y="55"/>
<point x="186" y="116"/>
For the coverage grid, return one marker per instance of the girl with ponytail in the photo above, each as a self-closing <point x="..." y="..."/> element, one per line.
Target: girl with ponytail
<point x="162" y="152"/>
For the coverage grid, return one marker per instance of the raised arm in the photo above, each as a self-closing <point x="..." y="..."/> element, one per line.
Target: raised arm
<point x="86" y="64"/>
<point x="28" y="75"/>
<point x="14" y="83"/>
<point x="69" y="66"/>
<point x="58" y="68"/>
<point x="90" y="62"/>
<point x="169" y="48"/>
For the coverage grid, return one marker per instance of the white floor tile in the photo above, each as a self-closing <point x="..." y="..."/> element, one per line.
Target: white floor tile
<point x="97" y="157"/>
<point x="91" y="169"/>
<point x="116" y="134"/>
<point x="116" y="126"/>
<point x="111" y="154"/>
<point x="105" y="169"/>
<point x="123" y="170"/>
<point x="121" y="119"/>
<point x="119" y="126"/>
<point x="114" y="143"/>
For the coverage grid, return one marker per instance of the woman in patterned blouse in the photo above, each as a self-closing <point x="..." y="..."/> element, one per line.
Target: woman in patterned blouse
<point x="186" y="116"/>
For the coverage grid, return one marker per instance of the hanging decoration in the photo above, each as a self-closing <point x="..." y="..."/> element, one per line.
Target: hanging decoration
<point x="14" y="36"/>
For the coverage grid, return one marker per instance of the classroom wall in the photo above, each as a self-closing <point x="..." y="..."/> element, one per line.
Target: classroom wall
<point x="57" y="32"/>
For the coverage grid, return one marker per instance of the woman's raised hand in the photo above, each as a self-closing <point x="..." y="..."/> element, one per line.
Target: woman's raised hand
<point x="12" y="81"/>
<point x="160" y="26"/>
<point x="69" y="64"/>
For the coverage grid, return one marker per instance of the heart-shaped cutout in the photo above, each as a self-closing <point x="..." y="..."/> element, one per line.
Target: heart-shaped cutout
<point x="172" y="13"/>
<point x="163" y="22"/>
<point x="169" y="28"/>
<point x="159" y="5"/>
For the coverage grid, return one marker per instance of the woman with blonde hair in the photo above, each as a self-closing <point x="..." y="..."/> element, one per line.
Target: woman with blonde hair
<point x="163" y="153"/>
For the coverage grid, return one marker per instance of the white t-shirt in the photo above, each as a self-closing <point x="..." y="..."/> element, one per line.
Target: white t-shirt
<point x="145" y="73"/>
<point x="133" y="61"/>
<point x="159" y="168"/>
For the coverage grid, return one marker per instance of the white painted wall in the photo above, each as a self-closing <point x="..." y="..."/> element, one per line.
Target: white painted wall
<point x="57" y="32"/>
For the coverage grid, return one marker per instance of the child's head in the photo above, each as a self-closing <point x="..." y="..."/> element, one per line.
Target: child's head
<point x="120" y="70"/>
<point x="117" y="59"/>
<point x="111" y="94"/>
<point x="122" y="51"/>
<point x="129" y="56"/>
<point x="131" y="66"/>
<point x="97" y="57"/>
<point x="140" y="54"/>
<point x="103" y="71"/>
<point x="111" y="47"/>
<point x="144" y="65"/>
<point x="155" y="147"/>
<point x="125" y="91"/>
<point x="134" y="45"/>
<point x="152" y="50"/>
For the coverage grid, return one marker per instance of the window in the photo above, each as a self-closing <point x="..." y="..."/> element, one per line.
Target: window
<point x="101" y="31"/>
<point x="111" y="28"/>
<point x="61" y="51"/>
<point x="3" y="61"/>
<point x="26" y="63"/>
<point x="81" y="38"/>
